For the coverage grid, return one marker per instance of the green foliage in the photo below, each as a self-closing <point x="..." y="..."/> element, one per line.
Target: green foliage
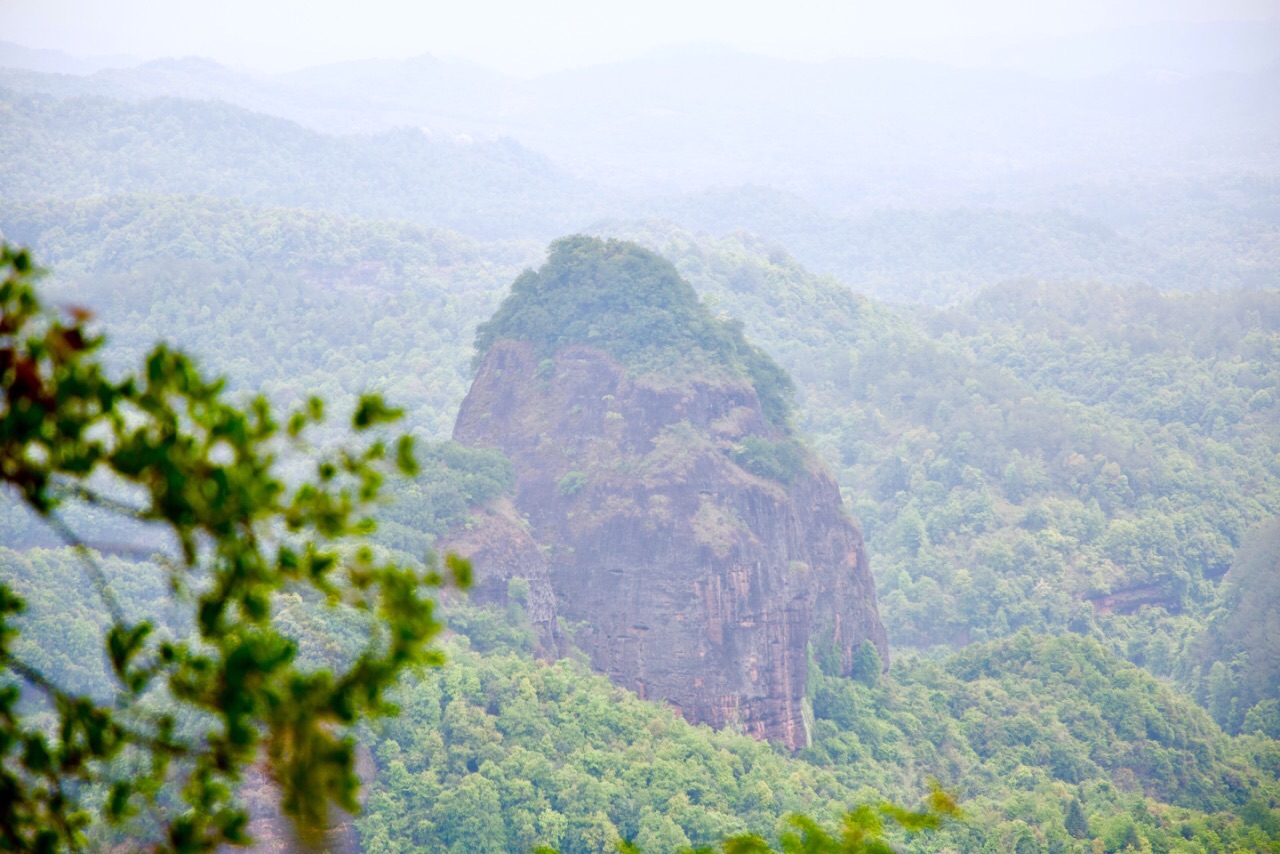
<point x="1025" y="727"/>
<point x="578" y="764"/>
<point x="1021" y="727"/>
<point x="169" y="449"/>
<point x="1239" y="651"/>
<point x="781" y="460"/>
<point x="861" y="832"/>
<point x="632" y="304"/>
<point x="571" y="484"/>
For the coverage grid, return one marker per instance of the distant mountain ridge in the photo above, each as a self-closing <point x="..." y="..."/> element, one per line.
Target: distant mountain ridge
<point x="884" y="131"/>
<point x="57" y="62"/>
<point x="80" y="146"/>
<point x="1171" y="232"/>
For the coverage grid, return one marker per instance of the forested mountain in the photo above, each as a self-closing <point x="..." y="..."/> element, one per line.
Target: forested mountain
<point x="1031" y="327"/>
<point x="83" y="146"/>
<point x="1011" y="469"/>
<point x="1186" y="234"/>
<point x="1043" y="424"/>
<point x="1070" y="513"/>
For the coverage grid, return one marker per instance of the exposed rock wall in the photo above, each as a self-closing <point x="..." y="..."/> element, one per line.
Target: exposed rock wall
<point x="501" y="547"/>
<point x="699" y="583"/>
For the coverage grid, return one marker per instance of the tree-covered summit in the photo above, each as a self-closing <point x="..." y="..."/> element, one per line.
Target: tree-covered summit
<point x="631" y="303"/>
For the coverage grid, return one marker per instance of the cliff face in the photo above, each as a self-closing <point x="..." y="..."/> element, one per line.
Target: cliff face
<point x="698" y="582"/>
<point x="502" y="548"/>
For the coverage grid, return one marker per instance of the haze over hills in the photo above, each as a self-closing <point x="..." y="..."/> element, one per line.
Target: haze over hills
<point x="906" y="224"/>
<point x="847" y="132"/>
<point x="58" y="62"/>
<point x="1178" y="47"/>
<point x="65" y="148"/>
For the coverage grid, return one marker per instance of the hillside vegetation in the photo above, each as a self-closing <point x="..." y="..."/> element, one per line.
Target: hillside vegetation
<point x="287" y="302"/>
<point x="84" y="146"/>
<point x="1051" y="743"/>
<point x="1068" y="480"/>
<point x="1079" y="461"/>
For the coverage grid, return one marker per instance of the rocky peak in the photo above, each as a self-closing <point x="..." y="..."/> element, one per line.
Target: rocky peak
<point x="668" y="511"/>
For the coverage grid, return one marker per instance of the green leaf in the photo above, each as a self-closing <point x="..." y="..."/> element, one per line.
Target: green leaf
<point x="405" y="461"/>
<point x="460" y="568"/>
<point x="371" y="411"/>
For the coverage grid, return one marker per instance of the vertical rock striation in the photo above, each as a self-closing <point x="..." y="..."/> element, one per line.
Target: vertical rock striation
<point x="697" y="580"/>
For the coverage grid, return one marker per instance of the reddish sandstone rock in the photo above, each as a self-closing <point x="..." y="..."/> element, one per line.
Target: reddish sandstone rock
<point x="501" y="547"/>
<point x="698" y="583"/>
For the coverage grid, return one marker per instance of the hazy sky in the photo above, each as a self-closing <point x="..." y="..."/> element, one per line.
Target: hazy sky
<point x="532" y="36"/>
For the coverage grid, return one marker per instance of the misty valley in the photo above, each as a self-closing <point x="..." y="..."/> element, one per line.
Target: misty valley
<point x="698" y="452"/>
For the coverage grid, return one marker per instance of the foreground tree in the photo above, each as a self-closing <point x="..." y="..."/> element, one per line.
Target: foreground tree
<point x="169" y="448"/>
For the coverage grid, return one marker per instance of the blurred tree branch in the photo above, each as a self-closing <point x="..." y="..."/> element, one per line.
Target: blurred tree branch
<point x="204" y="469"/>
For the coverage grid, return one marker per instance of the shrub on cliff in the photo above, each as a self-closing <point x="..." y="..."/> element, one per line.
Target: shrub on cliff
<point x="781" y="461"/>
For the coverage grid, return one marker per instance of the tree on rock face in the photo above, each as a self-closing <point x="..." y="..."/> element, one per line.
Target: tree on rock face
<point x="167" y="448"/>
<point x="866" y="665"/>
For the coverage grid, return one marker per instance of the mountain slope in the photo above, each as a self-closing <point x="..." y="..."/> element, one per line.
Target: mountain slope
<point x="91" y="146"/>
